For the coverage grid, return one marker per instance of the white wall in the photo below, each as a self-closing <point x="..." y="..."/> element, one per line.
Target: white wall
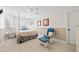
<point x="1" y="21"/>
<point x="57" y="14"/>
<point x="57" y="19"/>
<point x="1" y="27"/>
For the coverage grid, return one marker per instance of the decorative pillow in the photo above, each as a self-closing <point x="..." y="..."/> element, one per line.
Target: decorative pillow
<point x="23" y="28"/>
<point x="50" y="34"/>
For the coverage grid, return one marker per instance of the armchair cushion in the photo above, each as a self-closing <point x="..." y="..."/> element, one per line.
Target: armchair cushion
<point x="46" y="36"/>
<point x="44" y="39"/>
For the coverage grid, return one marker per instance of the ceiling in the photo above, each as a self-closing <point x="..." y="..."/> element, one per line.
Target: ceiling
<point x="43" y="10"/>
<point x="57" y="8"/>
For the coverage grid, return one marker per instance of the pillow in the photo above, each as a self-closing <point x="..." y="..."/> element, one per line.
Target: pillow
<point x="50" y="34"/>
<point x="23" y="28"/>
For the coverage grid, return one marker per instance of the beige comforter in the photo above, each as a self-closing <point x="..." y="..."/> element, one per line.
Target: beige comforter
<point x="29" y="33"/>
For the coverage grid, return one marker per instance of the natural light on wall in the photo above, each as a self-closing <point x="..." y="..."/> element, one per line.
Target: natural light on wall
<point x="1" y="21"/>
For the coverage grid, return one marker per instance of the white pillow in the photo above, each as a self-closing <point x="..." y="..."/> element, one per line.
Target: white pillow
<point x="50" y="34"/>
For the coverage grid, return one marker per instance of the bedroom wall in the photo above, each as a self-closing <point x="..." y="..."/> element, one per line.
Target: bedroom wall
<point x="58" y="21"/>
<point x="1" y="27"/>
<point x="60" y="33"/>
<point x="1" y="21"/>
<point x="57" y="16"/>
<point x="56" y="13"/>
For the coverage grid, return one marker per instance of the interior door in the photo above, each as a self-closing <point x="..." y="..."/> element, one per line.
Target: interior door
<point x="73" y="22"/>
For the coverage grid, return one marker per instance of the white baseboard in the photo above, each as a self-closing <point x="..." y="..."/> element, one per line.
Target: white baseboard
<point x="60" y="41"/>
<point x="2" y="42"/>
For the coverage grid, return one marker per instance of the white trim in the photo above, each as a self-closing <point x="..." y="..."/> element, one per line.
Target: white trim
<point x="60" y="40"/>
<point x="74" y="11"/>
<point x="67" y="32"/>
<point x="2" y="42"/>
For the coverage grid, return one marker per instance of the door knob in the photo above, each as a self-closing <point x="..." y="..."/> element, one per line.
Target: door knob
<point x="68" y="29"/>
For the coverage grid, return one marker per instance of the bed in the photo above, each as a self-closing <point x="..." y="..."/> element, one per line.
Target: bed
<point x="26" y="35"/>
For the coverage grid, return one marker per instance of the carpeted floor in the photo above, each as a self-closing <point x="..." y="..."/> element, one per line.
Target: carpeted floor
<point x="34" y="46"/>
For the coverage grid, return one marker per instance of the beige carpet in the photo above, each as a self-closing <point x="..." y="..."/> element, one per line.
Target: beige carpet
<point x="34" y="46"/>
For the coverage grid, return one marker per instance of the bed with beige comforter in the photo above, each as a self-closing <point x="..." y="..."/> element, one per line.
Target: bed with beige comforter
<point x="26" y="36"/>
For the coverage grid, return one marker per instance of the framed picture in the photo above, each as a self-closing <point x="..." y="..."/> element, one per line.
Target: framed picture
<point x="46" y="22"/>
<point x="38" y="22"/>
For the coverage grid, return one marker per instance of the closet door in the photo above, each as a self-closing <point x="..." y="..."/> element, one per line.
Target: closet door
<point x="73" y="22"/>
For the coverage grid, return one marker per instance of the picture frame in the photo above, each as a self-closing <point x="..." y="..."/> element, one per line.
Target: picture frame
<point x="38" y="22"/>
<point x="46" y="22"/>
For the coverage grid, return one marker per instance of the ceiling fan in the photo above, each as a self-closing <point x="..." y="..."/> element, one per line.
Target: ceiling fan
<point x="1" y="11"/>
